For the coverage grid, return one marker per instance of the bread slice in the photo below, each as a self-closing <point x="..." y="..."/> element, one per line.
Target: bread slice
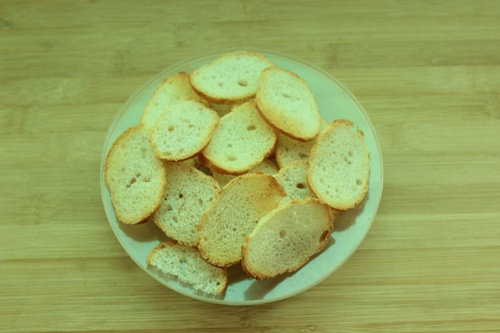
<point x="186" y="264"/>
<point x="188" y="194"/>
<point x="232" y="77"/>
<point x="233" y="215"/>
<point x="241" y="140"/>
<point x="134" y="176"/>
<point x="266" y="166"/>
<point x="183" y="130"/>
<point x="288" y="104"/>
<point x="293" y="178"/>
<point x="339" y="166"/>
<point x="172" y="90"/>
<point x="289" y="149"/>
<point x="285" y="239"/>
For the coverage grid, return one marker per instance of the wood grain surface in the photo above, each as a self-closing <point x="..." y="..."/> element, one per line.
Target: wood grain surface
<point x="428" y="74"/>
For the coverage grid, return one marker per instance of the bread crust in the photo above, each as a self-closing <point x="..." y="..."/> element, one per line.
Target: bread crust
<point x="181" y="209"/>
<point x="223" y="275"/>
<point x="212" y="152"/>
<point x="159" y="131"/>
<point x="211" y="95"/>
<point x="273" y="217"/>
<point x="346" y="205"/>
<point x="148" y="212"/>
<point x="276" y="119"/>
<point x="258" y="194"/>
<point x="179" y="83"/>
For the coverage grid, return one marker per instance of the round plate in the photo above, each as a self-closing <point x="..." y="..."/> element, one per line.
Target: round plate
<point x="334" y="102"/>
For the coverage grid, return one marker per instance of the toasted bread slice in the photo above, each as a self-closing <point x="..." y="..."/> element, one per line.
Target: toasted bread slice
<point x="183" y="130"/>
<point x="172" y="90"/>
<point x="134" y="176"/>
<point x="232" y="77"/>
<point x="233" y="215"/>
<point x="186" y="264"/>
<point x="293" y="178"/>
<point x="288" y="104"/>
<point x="188" y="194"/>
<point x="339" y="166"/>
<point x="241" y="140"/>
<point x="286" y="238"/>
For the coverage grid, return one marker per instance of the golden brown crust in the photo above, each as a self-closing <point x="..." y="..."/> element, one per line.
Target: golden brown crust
<point x="268" y="199"/>
<point x="280" y="130"/>
<point x="312" y="185"/>
<point x="277" y="122"/>
<point x="225" y="100"/>
<point x="217" y="165"/>
<point x="325" y="237"/>
<point x="155" y="205"/>
<point x="204" y="141"/>
<point x="172" y="243"/>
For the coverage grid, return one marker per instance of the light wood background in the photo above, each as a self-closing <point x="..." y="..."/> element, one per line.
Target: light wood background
<point x="428" y="74"/>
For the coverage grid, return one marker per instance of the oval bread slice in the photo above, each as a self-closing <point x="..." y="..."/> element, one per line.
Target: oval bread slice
<point x="241" y="140"/>
<point x="186" y="264"/>
<point x="232" y="77"/>
<point x="339" y="166"/>
<point x="233" y="215"/>
<point x="285" y="239"/>
<point x="172" y="90"/>
<point x="188" y="194"/>
<point x="183" y="130"/>
<point x="288" y="104"/>
<point x="134" y="176"/>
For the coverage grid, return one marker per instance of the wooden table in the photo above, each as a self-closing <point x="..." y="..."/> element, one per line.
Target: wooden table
<point x="428" y="74"/>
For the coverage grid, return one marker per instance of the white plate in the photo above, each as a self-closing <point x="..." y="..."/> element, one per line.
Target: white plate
<point x="335" y="102"/>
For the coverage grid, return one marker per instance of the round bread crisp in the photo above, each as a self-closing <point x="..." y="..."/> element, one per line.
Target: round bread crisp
<point x="232" y="77"/>
<point x="241" y="140"/>
<point x="339" y="166"/>
<point x="188" y="194"/>
<point x="172" y="90"/>
<point x="186" y="264"/>
<point x="288" y="104"/>
<point x="233" y="215"/>
<point x="135" y="177"/>
<point x="183" y="130"/>
<point x="285" y="239"/>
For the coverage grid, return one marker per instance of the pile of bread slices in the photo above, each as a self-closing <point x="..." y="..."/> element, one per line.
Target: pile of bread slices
<point x="234" y="163"/>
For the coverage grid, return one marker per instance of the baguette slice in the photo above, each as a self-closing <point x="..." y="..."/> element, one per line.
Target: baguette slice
<point x="288" y="104"/>
<point x="186" y="264"/>
<point x="231" y="78"/>
<point x="241" y="140"/>
<point x="172" y="90"/>
<point x="183" y="130"/>
<point x="293" y="178"/>
<point x="135" y="177"/>
<point x="233" y="215"/>
<point x="286" y="238"/>
<point x="188" y="194"/>
<point x="339" y="166"/>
